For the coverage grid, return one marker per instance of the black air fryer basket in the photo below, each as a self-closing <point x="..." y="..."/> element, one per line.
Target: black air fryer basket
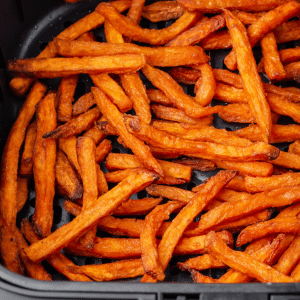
<point x="26" y="27"/>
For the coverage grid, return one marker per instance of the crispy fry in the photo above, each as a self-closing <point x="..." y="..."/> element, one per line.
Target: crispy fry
<point x="230" y="94"/>
<point x="75" y="126"/>
<point x="177" y="115"/>
<point x="153" y="221"/>
<point x="200" y="278"/>
<point x="287" y="160"/>
<point x="115" y="118"/>
<point x="277" y="225"/>
<point x="86" y="153"/>
<point x="22" y="192"/>
<point x="197" y="33"/>
<point x="115" y="161"/>
<point x="135" y="11"/>
<point x="294" y="148"/>
<point x="26" y="161"/>
<point x="218" y="6"/>
<point x="242" y="261"/>
<point x="111" y="271"/>
<point x="175" y="93"/>
<point x="67" y="181"/>
<point x="154" y="137"/>
<point x="162" y="11"/>
<point x="237" y="184"/>
<point x="43" y="67"/>
<point x="95" y="133"/>
<point x="153" y="37"/>
<point x="252" y="82"/>
<point x="57" y="260"/>
<point x="102" y="150"/>
<point x="104" y="205"/>
<point x="64" y="98"/>
<point x="197" y="164"/>
<point x="201" y="133"/>
<point x="83" y="104"/>
<point x="101" y="181"/>
<point x="217" y="40"/>
<point x="44" y="165"/>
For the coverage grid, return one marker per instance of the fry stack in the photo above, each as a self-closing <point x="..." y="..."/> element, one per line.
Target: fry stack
<point x="167" y="137"/>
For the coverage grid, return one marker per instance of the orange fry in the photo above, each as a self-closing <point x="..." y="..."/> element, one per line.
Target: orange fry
<point x="83" y="104"/>
<point x="104" y="205"/>
<point x="252" y="82"/>
<point x="115" y="118"/>
<point x="153" y="37"/>
<point x="198" y="164"/>
<point x="102" y="150"/>
<point x="22" y="192"/>
<point x="243" y="262"/>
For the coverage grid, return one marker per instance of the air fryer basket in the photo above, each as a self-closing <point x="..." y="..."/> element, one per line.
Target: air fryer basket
<point x="26" y="27"/>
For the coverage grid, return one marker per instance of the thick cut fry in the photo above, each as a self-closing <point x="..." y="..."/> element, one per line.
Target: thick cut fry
<point x="264" y="25"/>
<point x="58" y="261"/>
<point x="102" y="150"/>
<point x="160" y="56"/>
<point x="115" y="118"/>
<point x="63" y="67"/>
<point x="153" y="37"/>
<point x="162" y="11"/>
<point x="76" y="125"/>
<point x="280" y="133"/>
<point x="175" y="93"/>
<point x="287" y="160"/>
<point x="188" y="213"/>
<point x="197" y="164"/>
<point x="294" y="147"/>
<point x="154" y="137"/>
<point x="272" y="64"/>
<point x="201" y="133"/>
<point x="261" y="184"/>
<point x="237" y="184"/>
<point x="111" y="271"/>
<point x="243" y="262"/>
<point x="153" y="221"/>
<point x="101" y="181"/>
<point x="95" y="133"/>
<point x="27" y="155"/>
<point x="115" y="161"/>
<point x="20" y="85"/>
<point x="197" y="33"/>
<point x="104" y="205"/>
<point x="86" y="153"/>
<point x="277" y="225"/>
<point x="67" y="180"/>
<point x="64" y="98"/>
<point x="203" y="262"/>
<point x="217" y="40"/>
<point x="110" y="87"/>
<point x="248" y="70"/>
<point x="135" y="11"/>
<point x="206" y="86"/>
<point x="83" y="104"/>
<point x="177" y="115"/>
<point x="44" y="165"/>
<point x="218" y="6"/>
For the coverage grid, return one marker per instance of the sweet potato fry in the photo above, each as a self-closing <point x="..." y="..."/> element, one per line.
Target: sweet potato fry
<point x="102" y="150"/>
<point x="188" y="213"/>
<point x="101" y="181"/>
<point x="175" y="93"/>
<point x="237" y="184"/>
<point x="231" y="211"/>
<point x="153" y="221"/>
<point x="217" y="40"/>
<point x="252" y="82"/>
<point x="261" y="184"/>
<point x="135" y="32"/>
<point x="272" y="64"/>
<point x="104" y="205"/>
<point x="280" y="133"/>
<point x="154" y="137"/>
<point x="111" y="271"/>
<point x="287" y="160"/>
<point x="162" y="11"/>
<point x="218" y="6"/>
<point x="135" y="11"/>
<point x="57" y="260"/>
<point x="115" y="161"/>
<point x="44" y="165"/>
<point x="203" y="262"/>
<point x="22" y="192"/>
<point x="294" y="148"/>
<point x="288" y="31"/>
<point x="64" y="98"/>
<point x="26" y="161"/>
<point x="228" y="195"/>
<point x="197" y="164"/>
<point x="83" y="104"/>
<point x="86" y="153"/>
<point x="200" y="278"/>
<point x="230" y="94"/>
<point x="201" y="133"/>
<point x="67" y="181"/>
<point x="197" y="33"/>
<point x="243" y="262"/>
<point x="95" y="133"/>
<point x="177" y="115"/>
<point x="276" y="225"/>
<point x="115" y="118"/>
<point x="43" y="67"/>
<point x="75" y="126"/>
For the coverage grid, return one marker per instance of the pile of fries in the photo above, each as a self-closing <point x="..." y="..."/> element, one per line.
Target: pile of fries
<point x="167" y="138"/>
